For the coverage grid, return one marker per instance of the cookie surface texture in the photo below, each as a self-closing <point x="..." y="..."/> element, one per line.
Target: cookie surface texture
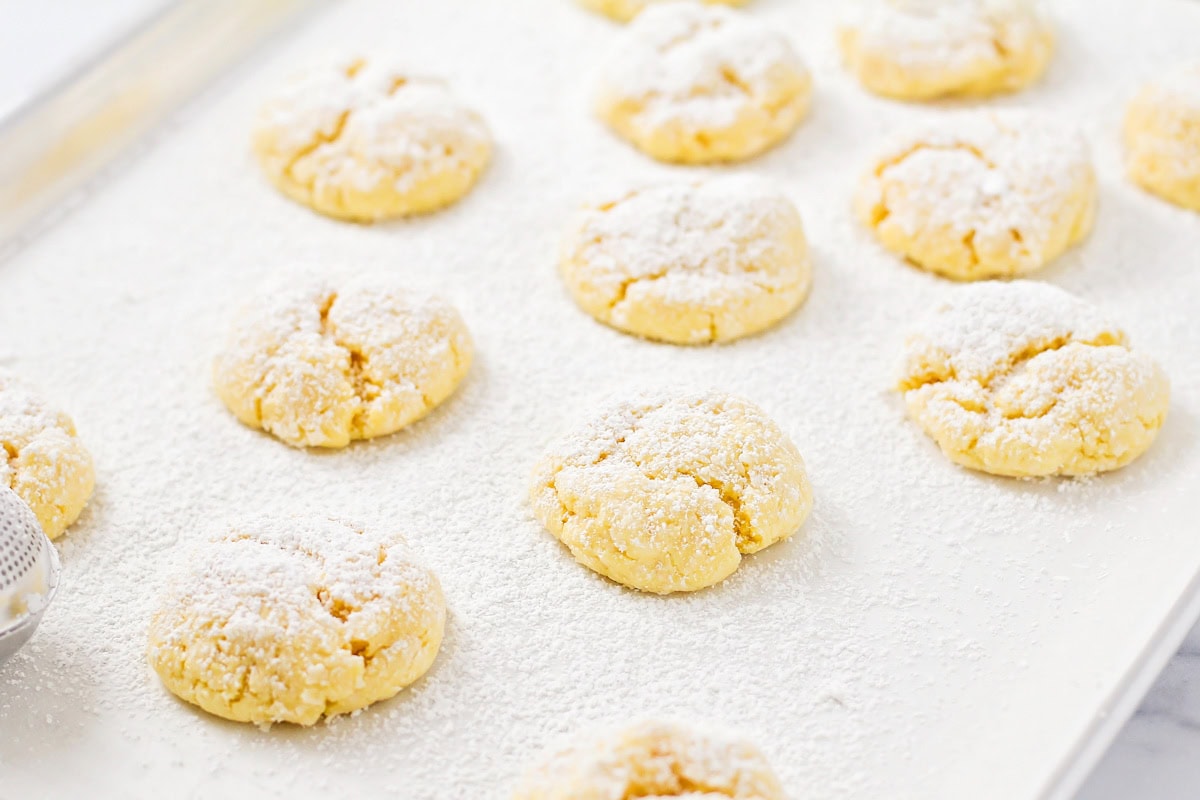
<point x="363" y="140"/>
<point x="297" y="618"/>
<point x="1025" y="380"/>
<point x="689" y="263"/>
<point x="666" y="494"/>
<point x="320" y="360"/>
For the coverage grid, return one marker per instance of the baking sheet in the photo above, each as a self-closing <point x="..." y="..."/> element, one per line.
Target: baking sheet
<point x="934" y="632"/>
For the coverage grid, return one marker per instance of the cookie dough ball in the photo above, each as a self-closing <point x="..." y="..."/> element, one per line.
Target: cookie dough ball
<point x="653" y="760"/>
<point x="41" y="459"/>
<point x="699" y="84"/>
<point x="364" y="140"/>
<point x="292" y="619"/>
<point x="922" y="49"/>
<point x="1162" y="136"/>
<point x="1024" y="379"/>
<point x="625" y="10"/>
<point x="689" y="263"/>
<point x="319" y="361"/>
<point x="981" y="195"/>
<point x="665" y="494"/>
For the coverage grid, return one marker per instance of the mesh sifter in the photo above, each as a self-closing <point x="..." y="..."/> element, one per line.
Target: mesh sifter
<point x="29" y="571"/>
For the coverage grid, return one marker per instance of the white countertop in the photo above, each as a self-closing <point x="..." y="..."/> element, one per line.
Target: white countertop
<point x="1157" y="754"/>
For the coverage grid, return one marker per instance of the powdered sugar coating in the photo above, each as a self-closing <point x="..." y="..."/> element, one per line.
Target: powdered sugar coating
<point x="44" y="461"/>
<point x="699" y="84"/>
<point x="981" y="194"/>
<point x="291" y="619"/>
<point x="364" y="139"/>
<point x="319" y="360"/>
<point x="689" y="263"/>
<point x="665" y="494"/>
<point x="921" y="49"/>
<point x="1162" y="136"/>
<point x="919" y="599"/>
<point x="653" y="759"/>
<point x="1024" y="379"/>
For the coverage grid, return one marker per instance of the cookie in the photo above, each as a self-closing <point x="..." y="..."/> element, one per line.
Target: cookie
<point x="321" y="360"/>
<point x="653" y="760"/>
<point x="689" y="263"/>
<point x="625" y="10"/>
<point x="698" y="84"/>
<point x="924" y="49"/>
<point x="46" y="464"/>
<point x="292" y="619"/>
<point x="1162" y="137"/>
<point x="1026" y="380"/>
<point x="361" y="139"/>
<point x="665" y="494"/>
<point x="981" y="194"/>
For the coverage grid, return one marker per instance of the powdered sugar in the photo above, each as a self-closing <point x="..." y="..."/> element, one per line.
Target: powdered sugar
<point x="927" y="625"/>
<point x="698" y="65"/>
<point x="1010" y="186"/>
<point x="362" y="121"/>
<point x="728" y="253"/>
<point x="980" y="330"/>
<point x="944" y="35"/>
<point x="1182" y="85"/>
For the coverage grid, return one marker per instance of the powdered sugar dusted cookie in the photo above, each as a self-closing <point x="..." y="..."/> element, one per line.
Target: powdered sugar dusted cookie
<point x="665" y="494"/>
<point x="1162" y="136"/>
<point x="699" y="84"/>
<point x="1024" y="379"/>
<point x="364" y="140"/>
<point x="653" y="759"/>
<point x="625" y="10"/>
<point x="291" y="619"/>
<point x="921" y="49"/>
<point x="43" y="460"/>
<point x="320" y="360"/>
<point x="981" y="194"/>
<point x="690" y="263"/>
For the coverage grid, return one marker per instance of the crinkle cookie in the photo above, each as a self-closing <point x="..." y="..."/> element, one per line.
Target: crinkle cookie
<point x="1024" y="379"/>
<point x="1162" y="136"/>
<point x="653" y="760"/>
<point x="291" y="619"/>
<point x="690" y="263"/>
<point x="665" y="494"/>
<point x="319" y="361"/>
<point x="625" y="10"/>
<point x="922" y="49"/>
<point x="981" y="194"/>
<point x="364" y="140"/>
<point x="697" y="84"/>
<point x="44" y="462"/>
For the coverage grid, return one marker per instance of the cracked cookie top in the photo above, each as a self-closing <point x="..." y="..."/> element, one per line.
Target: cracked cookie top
<point x="43" y="460"/>
<point x="981" y="194"/>
<point x="1024" y="379"/>
<point x="689" y="263"/>
<point x="362" y="139"/>
<point x="320" y="360"/>
<point x="693" y="83"/>
<point x="653" y="759"/>
<point x="291" y="619"/>
<point x="665" y="494"/>
<point x="625" y="10"/>
<point x="923" y="49"/>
